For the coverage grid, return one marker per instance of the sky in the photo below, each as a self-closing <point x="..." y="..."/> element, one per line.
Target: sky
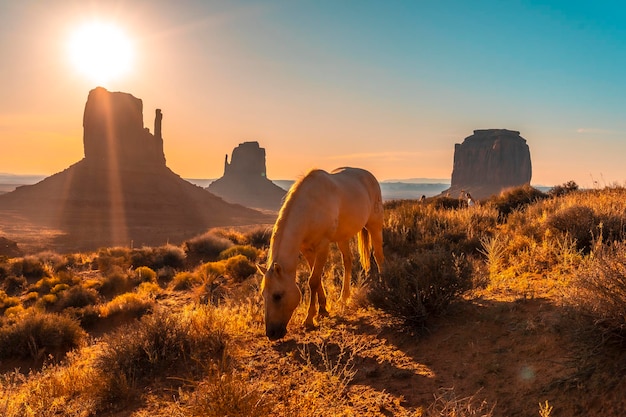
<point x="390" y="86"/>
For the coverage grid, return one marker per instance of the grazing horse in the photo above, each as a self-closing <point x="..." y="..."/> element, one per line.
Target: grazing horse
<point x="319" y="209"/>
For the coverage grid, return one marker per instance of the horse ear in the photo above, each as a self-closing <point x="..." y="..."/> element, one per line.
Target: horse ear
<point x="261" y="269"/>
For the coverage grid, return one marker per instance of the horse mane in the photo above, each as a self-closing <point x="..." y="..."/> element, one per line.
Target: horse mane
<point x="284" y="212"/>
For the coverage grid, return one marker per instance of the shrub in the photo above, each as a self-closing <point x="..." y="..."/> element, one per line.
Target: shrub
<point x="13" y="284"/>
<point x="411" y="227"/>
<point x="209" y="270"/>
<point x="423" y="284"/>
<point x="45" y="285"/>
<point x="7" y="301"/>
<point x="163" y="343"/>
<point x="159" y="257"/>
<point x="600" y="287"/>
<point x="115" y="282"/>
<point x="131" y="305"/>
<point x="53" y="260"/>
<point x="259" y="237"/>
<point x="563" y="189"/>
<point x="206" y="247"/>
<point x="239" y="268"/>
<point x="145" y="274"/>
<point x="248" y="251"/>
<point x="228" y="395"/>
<point x="233" y="236"/>
<point x="108" y="258"/>
<point x="166" y="274"/>
<point x="30" y="267"/>
<point x="78" y="296"/>
<point x="185" y="281"/>
<point x="149" y="289"/>
<point x="171" y="256"/>
<point x="516" y="199"/>
<point x="37" y="334"/>
<point x="578" y="221"/>
<point x="46" y="301"/>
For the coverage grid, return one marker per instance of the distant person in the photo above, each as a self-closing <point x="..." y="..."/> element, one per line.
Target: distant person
<point x="422" y="198"/>
<point x="470" y="200"/>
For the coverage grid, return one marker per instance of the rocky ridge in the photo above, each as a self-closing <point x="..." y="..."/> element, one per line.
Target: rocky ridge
<point x="121" y="192"/>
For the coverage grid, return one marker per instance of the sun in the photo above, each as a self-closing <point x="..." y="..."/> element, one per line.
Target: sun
<point x="100" y="51"/>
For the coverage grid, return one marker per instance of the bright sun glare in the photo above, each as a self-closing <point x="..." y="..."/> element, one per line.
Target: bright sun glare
<point x="100" y="51"/>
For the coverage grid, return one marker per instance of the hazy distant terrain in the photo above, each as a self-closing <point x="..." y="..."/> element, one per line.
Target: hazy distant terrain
<point x="393" y="189"/>
<point x="8" y="182"/>
<point x="412" y="188"/>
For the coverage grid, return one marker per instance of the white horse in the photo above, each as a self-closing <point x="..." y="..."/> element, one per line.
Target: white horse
<point x="319" y="209"/>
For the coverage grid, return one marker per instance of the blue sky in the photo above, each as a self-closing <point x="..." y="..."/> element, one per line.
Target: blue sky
<point x="387" y="85"/>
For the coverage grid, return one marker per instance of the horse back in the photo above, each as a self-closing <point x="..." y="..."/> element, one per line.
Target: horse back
<point x="359" y="196"/>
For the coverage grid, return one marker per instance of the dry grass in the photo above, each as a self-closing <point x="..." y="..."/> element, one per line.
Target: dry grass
<point x="520" y="301"/>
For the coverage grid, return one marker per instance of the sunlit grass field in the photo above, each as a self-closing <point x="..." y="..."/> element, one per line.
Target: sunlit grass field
<point x="178" y="330"/>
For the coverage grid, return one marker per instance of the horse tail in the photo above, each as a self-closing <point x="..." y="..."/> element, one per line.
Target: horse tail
<point x="365" y="248"/>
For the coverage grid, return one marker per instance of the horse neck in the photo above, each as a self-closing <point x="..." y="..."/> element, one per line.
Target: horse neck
<point x="286" y="242"/>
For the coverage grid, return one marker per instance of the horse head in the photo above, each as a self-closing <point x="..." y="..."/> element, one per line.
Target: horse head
<point x="282" y="296"/>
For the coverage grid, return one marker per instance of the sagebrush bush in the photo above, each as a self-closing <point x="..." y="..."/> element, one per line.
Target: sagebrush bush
<point x="248" y="251"/>
<point x="561" y="190"/>
<point x="78" y="296"/>
<point x="234" y="236"/>
<point x="209" y="270"/>
<point x="158" y="257"/>
<point x="228" y="395"/>
<point x="115" y="257"/>
<point x="52" y="260"/>
<point x="239" y="268"/>
<point x="515" y="199"/>
<point x="579" y="222"/>
<point x="131" y="305"/>
<point x="600" y="287"/>
<point x="13" y="285"/>
<point x="37" y="334"/>
<point x="30" y="267"/>
<point x="7" y="301"/>
<point x="421" y="285"/>
<point x="115" y="282"/>
<point x="145" y="274"/>
<point x="259" y="237"/>
<point x="412" y="226"/>
<point x="162" y="345"/>
<point x="206" y="247"/>
<point x="185" y="281"/>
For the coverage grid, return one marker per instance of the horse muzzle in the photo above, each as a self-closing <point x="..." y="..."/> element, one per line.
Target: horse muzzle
<point x="275" y="331"/>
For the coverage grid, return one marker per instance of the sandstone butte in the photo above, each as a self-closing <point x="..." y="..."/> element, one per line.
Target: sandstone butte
<point x="489" y="162"/>
<point x="245" y="180"/>
<point x="121" y="192"/>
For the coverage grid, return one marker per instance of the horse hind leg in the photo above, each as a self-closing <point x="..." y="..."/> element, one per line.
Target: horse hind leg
<point x="377" y="244"/>
<point x="346" y="255"/>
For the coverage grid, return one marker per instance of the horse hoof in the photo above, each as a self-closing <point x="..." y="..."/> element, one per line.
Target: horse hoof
<point x="324" y="313"/>
<point x="309" y="327"/>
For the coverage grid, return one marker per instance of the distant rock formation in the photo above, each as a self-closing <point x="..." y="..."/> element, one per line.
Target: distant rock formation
<point x="9" y="248"/>
<point x="113" y="133"/>
<point x="490" y="161"/>
<point x="122" y="192"/>
<point x="245" y="181"/>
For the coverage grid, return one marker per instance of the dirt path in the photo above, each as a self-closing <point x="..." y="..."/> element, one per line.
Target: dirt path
<point x="511" y="354"/>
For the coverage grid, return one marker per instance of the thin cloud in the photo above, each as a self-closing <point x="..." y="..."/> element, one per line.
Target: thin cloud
<point x="596" y="131"/>
<point x="387" y="156"/>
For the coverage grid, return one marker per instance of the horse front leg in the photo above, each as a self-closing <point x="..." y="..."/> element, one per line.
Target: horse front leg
<point x="316" y="287"/>
<point x="346" y="255"/>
